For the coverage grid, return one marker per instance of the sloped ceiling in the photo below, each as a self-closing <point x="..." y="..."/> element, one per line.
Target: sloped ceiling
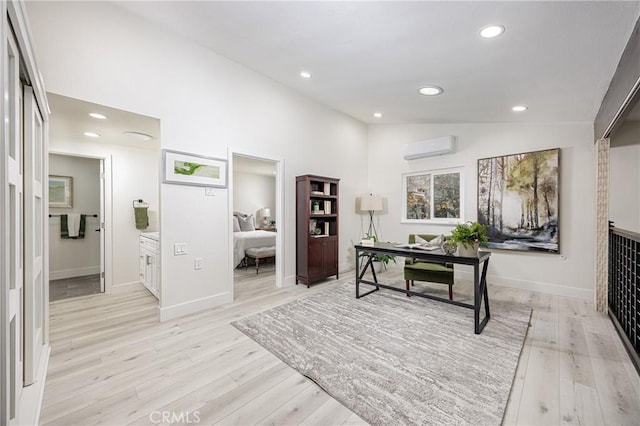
<point x="557" y="58"/>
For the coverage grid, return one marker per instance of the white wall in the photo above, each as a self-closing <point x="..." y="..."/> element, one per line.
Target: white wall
<point x="624" y="177"/>
<point x="70" y="257"/>
<point x="252" y="192"/>
<point x="206" y="105"/>
<point x="134" y="175"/>
<point x="570" y="273"/>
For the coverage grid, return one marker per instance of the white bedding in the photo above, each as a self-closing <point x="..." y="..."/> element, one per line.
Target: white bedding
<point x="250" y="239"/>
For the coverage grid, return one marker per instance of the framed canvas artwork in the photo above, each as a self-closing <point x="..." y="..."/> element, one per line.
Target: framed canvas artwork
<point x="196" y="170"/>
<point x="60" y="191"/>
<point x="518" y="200"/>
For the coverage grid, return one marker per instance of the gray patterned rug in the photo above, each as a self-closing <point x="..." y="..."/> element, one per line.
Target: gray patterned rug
<point x="394" y="360"/>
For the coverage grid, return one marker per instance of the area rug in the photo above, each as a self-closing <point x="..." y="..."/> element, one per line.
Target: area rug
<point x="394" y="360"/>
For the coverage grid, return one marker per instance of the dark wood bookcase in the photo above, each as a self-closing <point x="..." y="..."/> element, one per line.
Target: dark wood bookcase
<point x="317" y="213"/>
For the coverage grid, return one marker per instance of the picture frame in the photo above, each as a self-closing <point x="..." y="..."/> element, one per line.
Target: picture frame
<point x="519" y="200"/>
<point x="433" y="197"/>
<point x="60" y="191"/>
<point x="183" y="168"/>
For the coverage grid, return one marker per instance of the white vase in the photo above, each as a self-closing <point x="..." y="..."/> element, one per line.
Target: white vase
<point x="377" y="266"/>
<point x="469" y="251"/>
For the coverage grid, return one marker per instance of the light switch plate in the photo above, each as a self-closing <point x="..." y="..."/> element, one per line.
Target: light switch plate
<point x="179" y="249"/>
<point x="209" y="191"/>
<point x="197" y="263"/>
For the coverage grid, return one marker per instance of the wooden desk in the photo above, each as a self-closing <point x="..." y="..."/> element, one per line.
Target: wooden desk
<point x="480" y="292"/>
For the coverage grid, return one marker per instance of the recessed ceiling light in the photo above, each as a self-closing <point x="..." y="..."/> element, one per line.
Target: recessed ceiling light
<point x="519" y="108"/>
<point x="98" y="115"/>
<point x="91" y="134"/>
<point x="377" y="114"/>
<point x="139" y="135"/>
<point x="305" y="74"/>
<point x="491" y="31"/>
<point x="430" y="90"/>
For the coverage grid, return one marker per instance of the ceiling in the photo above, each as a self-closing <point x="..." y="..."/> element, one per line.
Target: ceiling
<point x="557" y="58"/>
<point x="70" y="119"/>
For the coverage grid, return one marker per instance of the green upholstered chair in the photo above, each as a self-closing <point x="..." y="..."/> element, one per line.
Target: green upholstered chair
<point x="417" y="270"/>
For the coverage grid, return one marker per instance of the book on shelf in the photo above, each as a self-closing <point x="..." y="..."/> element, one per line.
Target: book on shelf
<point x="317" y="193"/>
<point x="326" y="228"/>
<point x="317" y="211"/>
<point x="327" y="206"/>
<point x="327" y="188"/>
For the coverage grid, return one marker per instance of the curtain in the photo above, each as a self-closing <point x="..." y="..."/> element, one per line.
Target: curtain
<point x="602" y="225"/>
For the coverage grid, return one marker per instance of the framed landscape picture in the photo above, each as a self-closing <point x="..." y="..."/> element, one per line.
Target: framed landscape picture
<point x="189" y="169"/>
<point x="60" y="191"/>
<point x="434" y="196"/>
<point x="518" y="200"/>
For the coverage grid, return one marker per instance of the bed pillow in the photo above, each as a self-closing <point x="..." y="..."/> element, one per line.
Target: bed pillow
<point x="247" y="223"/>
<point x="236" y="224"/>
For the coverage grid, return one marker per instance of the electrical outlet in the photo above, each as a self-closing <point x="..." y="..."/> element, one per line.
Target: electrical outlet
<point x="197" y="263"/>
<point x="179" y="249"/>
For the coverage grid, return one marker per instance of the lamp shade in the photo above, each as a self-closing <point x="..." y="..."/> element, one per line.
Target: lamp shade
<point x="370" y="202"/>
<point x="265" y="212"/>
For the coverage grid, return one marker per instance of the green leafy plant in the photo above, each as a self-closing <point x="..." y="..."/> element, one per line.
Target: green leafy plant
<point x="383" y="258"/>
<point x="470" y="233"/>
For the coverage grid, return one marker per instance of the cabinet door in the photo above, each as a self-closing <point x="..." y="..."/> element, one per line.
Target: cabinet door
<point x="330" y="256"/>
<point x="315" y="259"/>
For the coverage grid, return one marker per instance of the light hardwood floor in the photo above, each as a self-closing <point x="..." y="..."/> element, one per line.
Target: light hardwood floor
<point x="113" y="363"/>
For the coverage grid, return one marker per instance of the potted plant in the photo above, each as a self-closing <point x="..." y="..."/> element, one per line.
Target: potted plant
<point x="469" y="236"/>
<point x="380" y="261"/>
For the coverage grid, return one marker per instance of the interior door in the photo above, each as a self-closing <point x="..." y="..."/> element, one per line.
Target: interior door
<point x="101" y="225"/>
<point x="15" y="243"/>
<point x="34" y="250"/>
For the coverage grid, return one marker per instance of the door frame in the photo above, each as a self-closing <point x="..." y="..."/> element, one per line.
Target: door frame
<point x="279" y="166"/>
<point x="107" y="220"/>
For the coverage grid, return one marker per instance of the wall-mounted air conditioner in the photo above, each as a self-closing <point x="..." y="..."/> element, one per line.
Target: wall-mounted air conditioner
<point x="429" y="148"/>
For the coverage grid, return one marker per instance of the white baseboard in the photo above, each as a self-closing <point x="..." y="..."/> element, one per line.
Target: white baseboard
<point x="77" y="272"/>
<point x="30" y="403"/>
<point x="537" y="286"/>
<point x="126" y="287"/>
<point x="289" y="281"/>
<point x="193" y="306"/>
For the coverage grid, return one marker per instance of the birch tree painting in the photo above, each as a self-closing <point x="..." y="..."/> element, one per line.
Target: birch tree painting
<point x="518" y="200"/>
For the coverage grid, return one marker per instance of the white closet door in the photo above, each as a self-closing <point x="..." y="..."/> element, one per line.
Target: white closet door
<point x="13" y="117"/>
<point x="34" y="250"/>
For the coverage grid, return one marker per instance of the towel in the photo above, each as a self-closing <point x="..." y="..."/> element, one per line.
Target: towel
<point x="72" y="226"/>
<point x="142" y="218"/>
<point x="73" y="223"/>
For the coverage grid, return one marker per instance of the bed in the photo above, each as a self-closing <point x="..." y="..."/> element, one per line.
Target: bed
<point x="250" y="239"/>
<point x="246" y="236"/>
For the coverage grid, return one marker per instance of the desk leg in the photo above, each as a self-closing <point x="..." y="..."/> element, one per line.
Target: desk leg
<point x="483" y="282"/>
<point x="480" y="292"/>
<point x="357" y="273"/>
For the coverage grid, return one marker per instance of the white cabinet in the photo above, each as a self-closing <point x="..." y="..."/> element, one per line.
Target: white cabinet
<point x="149" y="262"/>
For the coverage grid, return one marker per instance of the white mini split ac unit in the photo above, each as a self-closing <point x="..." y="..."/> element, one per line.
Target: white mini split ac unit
<point x="429" y="148"/>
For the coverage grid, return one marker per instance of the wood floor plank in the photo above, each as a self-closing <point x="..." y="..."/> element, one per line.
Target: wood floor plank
<point x="113" y="363"/>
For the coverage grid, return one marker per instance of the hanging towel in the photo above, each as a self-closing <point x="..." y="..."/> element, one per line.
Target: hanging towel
<point x="142" y="218"/>
<point x="72" y="226"/>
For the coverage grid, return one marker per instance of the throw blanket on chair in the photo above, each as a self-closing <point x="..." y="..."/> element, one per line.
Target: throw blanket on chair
<point x="78" y="228"/>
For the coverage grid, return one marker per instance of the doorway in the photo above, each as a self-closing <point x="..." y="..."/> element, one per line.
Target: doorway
<point x="76" y="241"/>
<point x="127" y="145"/>
<point x="257" y="222"/>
